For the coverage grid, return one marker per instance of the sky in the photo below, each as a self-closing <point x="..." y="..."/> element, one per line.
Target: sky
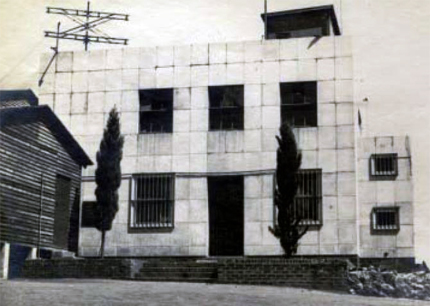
<point x="391" y="55"/>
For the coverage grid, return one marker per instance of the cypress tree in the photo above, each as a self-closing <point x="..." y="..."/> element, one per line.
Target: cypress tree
<point x="108" y="175"/>
<point x="288" y="229"/>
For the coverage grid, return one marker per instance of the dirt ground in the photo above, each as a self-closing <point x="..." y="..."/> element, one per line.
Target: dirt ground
<point x="109" y="292"/>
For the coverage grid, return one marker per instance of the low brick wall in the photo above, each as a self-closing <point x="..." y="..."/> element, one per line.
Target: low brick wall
<point x="77" y="268"/>
<point x="324" y="274"/>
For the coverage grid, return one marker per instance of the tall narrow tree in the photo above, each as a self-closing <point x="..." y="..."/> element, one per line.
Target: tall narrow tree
<point x="288" y="228"/>
<point x="108" y="175"/>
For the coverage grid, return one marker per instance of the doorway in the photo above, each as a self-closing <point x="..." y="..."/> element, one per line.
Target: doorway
<point x="226" y="215"/>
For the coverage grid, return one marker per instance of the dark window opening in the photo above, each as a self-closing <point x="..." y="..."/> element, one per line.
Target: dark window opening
<point x="152" y="203"/>
<point x="307" y="22"/>
<point x="156" y="110"/>
<point x="385" y="220"/>
<point x="308" y="200"/>
<point x="383" y="166"/>
<point x="62" y="211"/>
<point x="89" y="214"/>
<point x="299" y="104"/>
<point x="226" y="107"/>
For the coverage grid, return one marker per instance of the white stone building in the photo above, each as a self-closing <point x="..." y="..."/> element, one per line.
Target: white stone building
<point x="200" y="149"/>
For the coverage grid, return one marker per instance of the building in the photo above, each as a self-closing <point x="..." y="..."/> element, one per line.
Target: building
<point x="40" y="181"/>
<point x="200" y="149"/>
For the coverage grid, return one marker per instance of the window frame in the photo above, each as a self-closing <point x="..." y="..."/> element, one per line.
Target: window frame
<point x="168" y="112"/>
<point x="311" y="109"/>
<point x="373" y="173"/>
<point x="317" y="224"/>
<point x="133" y="198"/>
<point x="222" y="111"/>
<point x="377" y="229"/>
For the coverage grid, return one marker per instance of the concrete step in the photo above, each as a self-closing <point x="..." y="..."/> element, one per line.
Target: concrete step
<point x="176" y="279"/>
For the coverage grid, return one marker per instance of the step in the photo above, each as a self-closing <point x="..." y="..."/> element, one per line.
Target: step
<point x="181" y="264"/>
<point x="176" y="279"/>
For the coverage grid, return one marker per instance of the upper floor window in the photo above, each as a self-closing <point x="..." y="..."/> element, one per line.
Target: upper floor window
<point x="152" y="202"/>
<point x="385" y="219"/>
<point x="226" y="107"/>
<point x="299" y="104"/>
<point x="156" y="111"/>
<point x="313" y="21"/>
<point x="383" y="166"/>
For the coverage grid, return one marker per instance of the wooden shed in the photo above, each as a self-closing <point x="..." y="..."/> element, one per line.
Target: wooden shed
<point x="40" y="176"/>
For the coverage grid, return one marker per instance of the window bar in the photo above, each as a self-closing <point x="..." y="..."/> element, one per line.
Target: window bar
<point x="163" y="219"/>
<point x="155" y="201"/>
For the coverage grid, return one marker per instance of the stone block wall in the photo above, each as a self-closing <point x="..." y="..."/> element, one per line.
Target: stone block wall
<point x="386" y="193"/>
<point x="84" y="86"/>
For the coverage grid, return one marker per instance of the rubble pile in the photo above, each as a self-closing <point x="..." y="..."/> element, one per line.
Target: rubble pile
<point x="374" y="282"/>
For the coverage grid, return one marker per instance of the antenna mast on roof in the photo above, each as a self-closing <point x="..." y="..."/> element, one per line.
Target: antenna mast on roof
<point x="81" y="31"/>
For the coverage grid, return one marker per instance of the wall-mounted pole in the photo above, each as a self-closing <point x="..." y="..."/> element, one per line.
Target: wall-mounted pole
<point x="86" y="39"/>
<point x="265" y="19"/>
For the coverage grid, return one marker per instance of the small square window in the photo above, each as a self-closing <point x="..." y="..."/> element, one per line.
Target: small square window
<point x="226" y="107"/>
<point x="299" y="104"/>
<point x="383" y="166"/>
<point x="156" y="110"/>
<point x="152" y="203"/>
<point x="385" y="220"/>
<point x="89" y="214"/>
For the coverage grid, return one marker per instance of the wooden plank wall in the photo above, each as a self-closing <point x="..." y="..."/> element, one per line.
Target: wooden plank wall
<point x="29" y="152"/>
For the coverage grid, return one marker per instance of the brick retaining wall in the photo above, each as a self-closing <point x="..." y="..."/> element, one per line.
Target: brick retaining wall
<point x="325" y="274"/>
<point x="77" y="268"/>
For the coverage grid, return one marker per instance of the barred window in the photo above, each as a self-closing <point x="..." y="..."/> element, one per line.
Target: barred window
<point x="383" y="166"/>
<point x="89" y="214"/>
<point x="385" y="219"/>
<point x="226" y="107"/>
<point x="308" y="200"/>
<point x="156" y="110"/>
<point x="299" y="104"/>
<point x="152" y="203"/>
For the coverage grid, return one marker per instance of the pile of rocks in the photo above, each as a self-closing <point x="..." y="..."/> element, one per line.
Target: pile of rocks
<point x="374" y="282"/>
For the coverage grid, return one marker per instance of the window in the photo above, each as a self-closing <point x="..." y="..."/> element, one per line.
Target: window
<point x="314" y="21"/>
<point x="62" y="211"/>
<point x="308" y="201"/>
<point x="383" y="166"/>
<point x="156" y="110"/>
<point x="299" y="104"/>
<point x="385" y="220"/>
<point x="89" y="214"/>
<point x="152" y="202"/>
<point x="226" y="107"/>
